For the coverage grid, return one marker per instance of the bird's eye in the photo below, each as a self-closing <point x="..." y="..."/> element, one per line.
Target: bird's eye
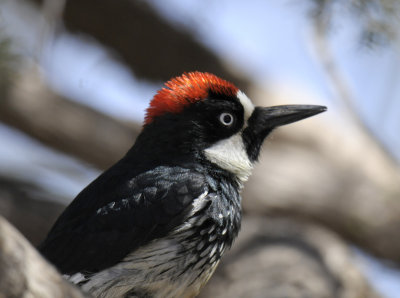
<point x="226" y="119"/>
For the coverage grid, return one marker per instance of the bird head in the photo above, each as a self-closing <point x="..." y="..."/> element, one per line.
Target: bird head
<point x="199" y="115"/>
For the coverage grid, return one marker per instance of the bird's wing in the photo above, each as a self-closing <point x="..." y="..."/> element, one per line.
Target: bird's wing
<point x="149" y="206"/>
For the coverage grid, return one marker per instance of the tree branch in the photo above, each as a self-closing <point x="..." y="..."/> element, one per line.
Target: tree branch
<point x="351" y="187"/>
<point x="24" y="273"/>
<point x="280" y="257"/>
<point x="149" y="45"/>
<point x="65" y="125"/>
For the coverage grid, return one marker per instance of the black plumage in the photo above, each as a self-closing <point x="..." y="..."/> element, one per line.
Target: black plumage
<point x="136" y="211"/>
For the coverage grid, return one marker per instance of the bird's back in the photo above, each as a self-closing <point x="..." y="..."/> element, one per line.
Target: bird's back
<point x="168" y="238"/>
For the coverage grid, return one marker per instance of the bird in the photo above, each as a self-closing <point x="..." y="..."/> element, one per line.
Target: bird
<point x="157" y="223"/>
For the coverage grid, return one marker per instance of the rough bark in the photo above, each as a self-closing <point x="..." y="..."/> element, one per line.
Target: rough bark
<point x="24" y="273"/>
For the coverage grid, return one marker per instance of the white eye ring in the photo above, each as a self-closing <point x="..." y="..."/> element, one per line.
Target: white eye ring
<point x="226" y="119"/>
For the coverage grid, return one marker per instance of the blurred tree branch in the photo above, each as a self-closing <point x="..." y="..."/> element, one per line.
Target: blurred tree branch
<point x="68" y="126"/>
<point x="330" y="184"/>
<point x="28" y="207"/>
<point x="150" y="46"/>
<point x="24" y="273"/>
<point x="280" y="257"/>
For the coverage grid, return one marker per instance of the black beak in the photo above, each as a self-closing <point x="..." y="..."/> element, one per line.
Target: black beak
<point x="264" y="120"/>
<point x="271" y="117"/>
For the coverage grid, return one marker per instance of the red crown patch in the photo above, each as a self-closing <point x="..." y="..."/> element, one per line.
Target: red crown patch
<point x="185" y="90"/>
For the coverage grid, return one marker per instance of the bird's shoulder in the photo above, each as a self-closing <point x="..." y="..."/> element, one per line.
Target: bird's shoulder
<point x="118" y="210"/>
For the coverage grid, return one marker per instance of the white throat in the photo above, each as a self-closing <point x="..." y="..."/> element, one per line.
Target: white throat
<point x="230" y="154"/>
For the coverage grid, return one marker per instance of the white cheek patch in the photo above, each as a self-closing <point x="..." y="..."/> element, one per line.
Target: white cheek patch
<point x="246" y="103"/>
<point x="230" y="154"/>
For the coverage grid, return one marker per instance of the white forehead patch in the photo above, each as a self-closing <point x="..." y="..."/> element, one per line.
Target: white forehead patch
<point x="230" y="154"/>
<point x="246" y="103"/>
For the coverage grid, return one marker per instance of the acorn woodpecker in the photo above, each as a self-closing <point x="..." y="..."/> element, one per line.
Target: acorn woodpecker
<point x="157" y="222"/>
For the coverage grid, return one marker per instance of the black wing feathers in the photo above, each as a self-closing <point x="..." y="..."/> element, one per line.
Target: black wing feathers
<point x="91" y="236"/>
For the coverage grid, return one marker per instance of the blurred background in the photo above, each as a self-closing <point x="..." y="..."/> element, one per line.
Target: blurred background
<point x="322" y="210"/>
